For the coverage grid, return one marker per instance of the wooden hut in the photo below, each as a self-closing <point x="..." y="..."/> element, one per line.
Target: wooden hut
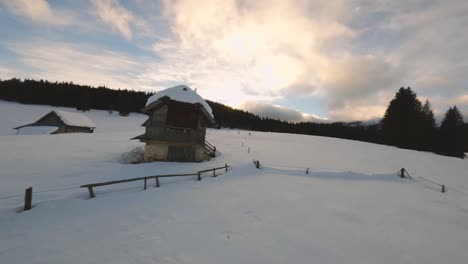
<point x="176" y="127"/>
<point x="56" y="122"/>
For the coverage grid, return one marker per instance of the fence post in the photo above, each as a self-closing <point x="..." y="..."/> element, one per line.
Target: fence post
<point x="145" y="183"/>
<point x="214" y="172"/>
<point x="307" y="171"/>
<point x="199" y="176"/>
<point x="225" y="166"/>
<point x="402" y="172"/>
<point x="28" y="199"/>
<point x="157" y="182"/>
<point x="91" y="192"/>
<point x="443" y="188"/>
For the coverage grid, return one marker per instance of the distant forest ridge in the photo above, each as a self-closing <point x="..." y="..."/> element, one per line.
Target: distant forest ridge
<point x="85" y="97"/>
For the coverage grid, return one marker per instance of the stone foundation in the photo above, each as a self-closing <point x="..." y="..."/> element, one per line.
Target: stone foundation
<point x="168" y="151"/>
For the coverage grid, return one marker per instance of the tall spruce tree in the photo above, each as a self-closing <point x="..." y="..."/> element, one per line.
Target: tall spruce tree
<point x="451" y="139"/>
<point x="402" y="122"/>
<point x="428" y="127"/>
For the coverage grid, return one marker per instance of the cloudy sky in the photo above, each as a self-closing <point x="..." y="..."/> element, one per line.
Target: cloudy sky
<point x="295" y="60"/>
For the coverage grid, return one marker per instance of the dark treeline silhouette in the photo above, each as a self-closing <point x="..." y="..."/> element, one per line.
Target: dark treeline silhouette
<point x="465" y="133"/>
<point x="451" y="139"/>
<point x="407" y="123"/>
<point x="228" y="117"/>
<point x="410" y="124"/>
<point x="71" y="95"/>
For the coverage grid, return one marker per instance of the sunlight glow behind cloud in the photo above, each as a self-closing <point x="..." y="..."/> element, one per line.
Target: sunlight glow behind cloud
<point x="351" y="55"/>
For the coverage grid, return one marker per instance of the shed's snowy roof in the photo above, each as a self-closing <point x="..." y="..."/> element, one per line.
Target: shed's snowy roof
<point x="74" y="119"/>
<point x="36" y="130"/>
<point x="181" y="93"/>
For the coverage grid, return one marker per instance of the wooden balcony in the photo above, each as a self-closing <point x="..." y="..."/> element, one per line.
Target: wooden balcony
<point x="175" y="134"/>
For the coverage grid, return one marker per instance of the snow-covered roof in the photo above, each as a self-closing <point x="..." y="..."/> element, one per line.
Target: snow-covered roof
<point x="74" y="119"/>
<point x="36" y="130"/>
<point x="181" y="93"/>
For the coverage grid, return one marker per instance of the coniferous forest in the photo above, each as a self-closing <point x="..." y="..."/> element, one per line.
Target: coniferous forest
<point x="407" y="123"/>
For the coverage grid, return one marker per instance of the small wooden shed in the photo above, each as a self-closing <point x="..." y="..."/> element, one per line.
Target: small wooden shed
<point x="176" y="127"/>
<point x="56" y="122"/>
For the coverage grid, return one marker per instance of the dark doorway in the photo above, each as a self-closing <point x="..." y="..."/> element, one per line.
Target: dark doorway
<point x="177" y="153"/>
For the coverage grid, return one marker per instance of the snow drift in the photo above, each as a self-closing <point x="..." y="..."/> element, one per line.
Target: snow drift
<point x="350" y="208"/>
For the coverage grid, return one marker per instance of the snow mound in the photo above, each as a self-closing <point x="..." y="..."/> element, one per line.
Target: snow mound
<point x="181" y="93"/>
<point x="37" y="130"/>
<point x="74" y="119"/>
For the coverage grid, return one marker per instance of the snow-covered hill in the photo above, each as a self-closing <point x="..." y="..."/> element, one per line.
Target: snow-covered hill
<point x="351" y="208"/>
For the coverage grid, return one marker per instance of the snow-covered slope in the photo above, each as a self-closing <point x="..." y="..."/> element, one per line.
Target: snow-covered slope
<point x="350" y="208"/>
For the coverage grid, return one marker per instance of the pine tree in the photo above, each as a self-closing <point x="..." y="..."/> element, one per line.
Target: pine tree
<point x="428" y="126"/>
<point x="401" y="125"/>
<point x="451" y="138"/>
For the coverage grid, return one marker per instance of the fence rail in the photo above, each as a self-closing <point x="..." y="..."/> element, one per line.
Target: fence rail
<point x="146" y="178"/>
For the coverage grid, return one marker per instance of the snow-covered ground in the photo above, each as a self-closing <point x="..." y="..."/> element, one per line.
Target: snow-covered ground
<point x="351" y="208"/>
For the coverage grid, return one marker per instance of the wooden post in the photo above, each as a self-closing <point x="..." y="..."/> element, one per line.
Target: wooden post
<point x="145" y="183"/>
<point x="28" y="199"/>
<point x="225" y="166"/>
<point x="214" y="172"/>
<point x="157" y="182"/>
<point x="91" y="192"/>
<point x="443" y="188"/>
<point x="199" y="176"/>
<point x="402" y="172"/>
<point x="307" y="171"/>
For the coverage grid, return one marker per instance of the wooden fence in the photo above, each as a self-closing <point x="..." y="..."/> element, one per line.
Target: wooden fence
<point x="146" y="178"/>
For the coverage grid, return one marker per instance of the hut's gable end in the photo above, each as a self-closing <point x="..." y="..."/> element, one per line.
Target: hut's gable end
<point x="182" y="115"/>
<point x="51" y="119"/>
<point x="158" y="116"/>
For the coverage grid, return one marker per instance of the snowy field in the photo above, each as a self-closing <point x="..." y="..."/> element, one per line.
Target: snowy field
<point x="351" y="208"/>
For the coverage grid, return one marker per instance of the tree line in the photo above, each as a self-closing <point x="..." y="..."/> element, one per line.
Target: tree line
<point x="407" y="123"/>
<point x="68" y="94"/>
